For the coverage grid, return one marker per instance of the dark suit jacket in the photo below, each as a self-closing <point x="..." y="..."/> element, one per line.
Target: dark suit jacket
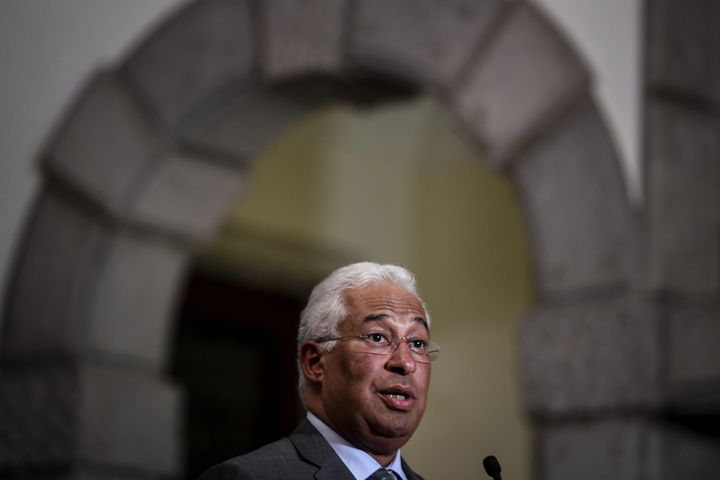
<point x="303" y="455"/>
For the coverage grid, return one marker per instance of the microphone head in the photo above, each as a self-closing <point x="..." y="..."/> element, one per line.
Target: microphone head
<point x="492" y="467"/>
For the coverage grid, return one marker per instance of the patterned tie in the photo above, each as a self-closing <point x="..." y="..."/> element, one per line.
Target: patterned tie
<point x="383" y="474"/>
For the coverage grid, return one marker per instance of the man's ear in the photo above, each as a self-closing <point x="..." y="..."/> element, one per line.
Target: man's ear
<point x="311" y="361"/>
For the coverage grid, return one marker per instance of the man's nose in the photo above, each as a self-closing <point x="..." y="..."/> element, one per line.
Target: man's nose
<point x="401" y="359"/>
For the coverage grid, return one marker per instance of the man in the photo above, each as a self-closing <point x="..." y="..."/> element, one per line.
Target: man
<point x="364" y="358"/>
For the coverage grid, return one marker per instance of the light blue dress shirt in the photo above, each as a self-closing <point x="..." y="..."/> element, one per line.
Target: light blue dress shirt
<point x="359" y="462"/>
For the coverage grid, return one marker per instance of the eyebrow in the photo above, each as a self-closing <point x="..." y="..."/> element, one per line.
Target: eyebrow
<point x="381" y="316"/>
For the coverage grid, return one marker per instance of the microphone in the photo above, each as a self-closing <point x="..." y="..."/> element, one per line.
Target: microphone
<point x="492" y="467"/>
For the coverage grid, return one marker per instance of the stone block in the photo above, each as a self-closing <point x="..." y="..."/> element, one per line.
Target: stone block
<point x="84" y="289"/>
<point x="625" y="449"/>
<point x="300" y="37"/>
<point x="95" y="472"/>
<point x="60" y="259"/>
<point x="131" y="306"/>
<point x="683" y="45"/>
<point x="526" y="74"/>
<point x="38" y="414"/>
<point x="694" y="356"/>
<point x="576" y="207"/>
<point x="594" y="450"/>
<point x="187" y="196"/>
<point x="193" y="56"/>
<point x="105" y="143"/>
<point x="129" y="419"/>
<point x="63" y="418"/>
<point x="106" y="472"/>
<point x="683" y="201"/>
<point x="431" y="39"/>
<point x="246" y="124"/>
<point x="684" y="453"/>
<point x="591" y="356"/>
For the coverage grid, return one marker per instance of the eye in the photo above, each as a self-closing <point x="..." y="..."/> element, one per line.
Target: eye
<point x="417" y="345"/>
<point x="377" y="338"/>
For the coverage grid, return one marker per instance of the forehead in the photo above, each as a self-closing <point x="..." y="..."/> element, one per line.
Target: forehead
<point x="382" y="297"/>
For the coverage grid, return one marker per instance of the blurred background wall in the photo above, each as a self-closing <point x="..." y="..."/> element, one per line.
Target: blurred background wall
<point x="390" y="163"/>
<point x="51" y="48"/>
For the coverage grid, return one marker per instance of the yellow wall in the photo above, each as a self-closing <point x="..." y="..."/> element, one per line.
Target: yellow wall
<point x="397" y="184"/>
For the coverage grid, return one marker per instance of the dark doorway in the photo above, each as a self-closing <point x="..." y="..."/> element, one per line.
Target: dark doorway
<point x="234" y="356"/>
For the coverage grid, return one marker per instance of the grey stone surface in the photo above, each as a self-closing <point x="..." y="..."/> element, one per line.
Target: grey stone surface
<point x="85" y="289"/>
<point x="625" y="449"/>
<point x="186" y="195"/>
<point x="431" y="40"/>
<point x="53" y="280"/>
<point x="694" y="353"/>
<point x="574" y="199"/>
<point x="299" y="37"/>
<point x="129" y="419"/>
<point x="38" y="417"/>
<point x="524" y="77"/>
<point x="595" y="450"/>
<point x="131" y="308"/>
<point x="95" y="472"/>
<point x="61" y="418"/>
<point x="683" y="45"/>
<point x="246" y="124"/>
<point x="683" y="201"/>
<point x="194" y="55"/>
<point x="682" y="453"/>
<point x="591" y="357"/>
<point x="105" y="143"/>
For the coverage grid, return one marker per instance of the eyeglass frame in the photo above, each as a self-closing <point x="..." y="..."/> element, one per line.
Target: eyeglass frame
<point x="432" y="346"/>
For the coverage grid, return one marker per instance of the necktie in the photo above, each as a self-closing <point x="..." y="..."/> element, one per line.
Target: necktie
<point x="383" y="474"/>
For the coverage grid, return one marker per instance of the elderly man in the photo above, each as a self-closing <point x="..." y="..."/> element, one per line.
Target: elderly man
<point x="364" y="358"/>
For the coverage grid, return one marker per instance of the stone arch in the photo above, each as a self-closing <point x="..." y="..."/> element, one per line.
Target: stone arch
<point x="142" y="168"/>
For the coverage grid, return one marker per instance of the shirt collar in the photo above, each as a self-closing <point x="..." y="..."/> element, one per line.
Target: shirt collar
<point x="360" y="463"/>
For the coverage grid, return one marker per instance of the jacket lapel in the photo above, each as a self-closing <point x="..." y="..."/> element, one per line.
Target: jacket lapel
<point x="408" y="472"/>
<point x="313" y="448"/>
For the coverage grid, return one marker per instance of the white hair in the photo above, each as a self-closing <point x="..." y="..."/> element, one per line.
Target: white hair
<point x="326" y="306"/>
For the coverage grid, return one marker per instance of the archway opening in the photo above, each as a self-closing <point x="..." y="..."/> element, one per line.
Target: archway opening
<point x="389" y="183"/>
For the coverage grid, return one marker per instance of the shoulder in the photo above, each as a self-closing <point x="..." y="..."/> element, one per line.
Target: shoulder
<point x="275" y="460"/>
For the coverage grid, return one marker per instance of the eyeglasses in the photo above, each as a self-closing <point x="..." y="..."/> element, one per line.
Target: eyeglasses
<point x="423" y="351"/>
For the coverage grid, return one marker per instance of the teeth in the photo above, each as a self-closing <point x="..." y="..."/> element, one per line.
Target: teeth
<point x="397" y="396"/>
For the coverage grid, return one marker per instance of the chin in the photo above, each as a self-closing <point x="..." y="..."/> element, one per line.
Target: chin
<point x="385" y="445"/>
<point x="400" y="430"/>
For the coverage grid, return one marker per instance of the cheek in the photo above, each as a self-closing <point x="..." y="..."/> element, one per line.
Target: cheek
<point x="423" y="382"/>
<point x="361" y="371"/>
<point x="427" y="377"/>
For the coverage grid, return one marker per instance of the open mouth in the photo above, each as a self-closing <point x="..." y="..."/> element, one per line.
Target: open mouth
<point x="397" y="398"/>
